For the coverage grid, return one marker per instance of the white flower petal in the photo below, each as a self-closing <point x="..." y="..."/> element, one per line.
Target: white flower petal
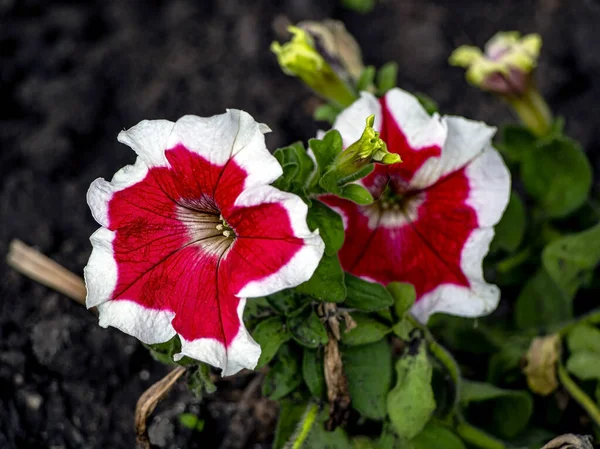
<point x="489" y="180"/>
<point x="149" y="139"/>
<point x="352" y="121"/>
<point x="243" y="351"/>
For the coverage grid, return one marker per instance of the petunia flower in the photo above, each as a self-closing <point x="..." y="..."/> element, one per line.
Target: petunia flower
<point x="433" y="215"/>
<point x="190" y="231"/>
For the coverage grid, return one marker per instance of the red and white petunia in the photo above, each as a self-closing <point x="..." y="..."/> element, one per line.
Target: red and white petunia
<point x="190" y="231"/>
<point x="433" y="215"/>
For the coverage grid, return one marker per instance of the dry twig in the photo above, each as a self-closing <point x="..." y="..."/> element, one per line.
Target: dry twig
<point x="148" y="402"/>
<point x="40" y="268"/>
<point x="570" y="441"/>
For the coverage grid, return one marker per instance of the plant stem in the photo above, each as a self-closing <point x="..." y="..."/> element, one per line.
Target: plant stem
<point x="533" y="111"/>
<point x="578" y="394"/>
<point x="304" y="427"/>
<point x="478" y="437"/>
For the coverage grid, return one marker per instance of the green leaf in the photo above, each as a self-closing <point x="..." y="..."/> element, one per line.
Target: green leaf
<point x="404" y="296"/>
<point x="367" y="330"/>
<point x="403" y="328"/>
<point x="164" y="352"/>
<point x="584" y="337"/>
<point x="319" y="438"/>
<point x="365" y="295"/>
<point x="270" y="334"/>
<point x="585" y="365"/>
<point x="284" y="376"/>
<point x="256" y="310"/>
<point x="517" y="141"/>
<point x="569" y="260"/>
<point x="427" y="102"/>
<point x="436" y="436"/>
<point x="307" y="329"/>
<point x="389" y="440"/>
<point x="326" y="113"/>
<point x="504" y="412"/>
<point x="313" y="372"/>
<point x="411" y="402"/>
<point x="357" y="194"/>
<point x="541" y="303"/>
<point x="368" y="369"/>
<point x="287" y="301"/>
<point x="511" y="228"/>
<point x="558" y="175"/>
<point x="290" y="414"/>
<point x="327" y="283"/>
<point x="326" y="149"/>
<point x="387" y="77"/>
<point x="366" y="78"/>
<point x="297" y="167"/>
<point x="330" y="225"/>
<point x="199" y="382"/>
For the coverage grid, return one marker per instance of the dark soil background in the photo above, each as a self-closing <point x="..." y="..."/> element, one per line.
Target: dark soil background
<point x="72" y="74"/>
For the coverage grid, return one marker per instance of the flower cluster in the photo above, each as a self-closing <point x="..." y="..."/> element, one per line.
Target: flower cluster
<point x="194" y="227"/>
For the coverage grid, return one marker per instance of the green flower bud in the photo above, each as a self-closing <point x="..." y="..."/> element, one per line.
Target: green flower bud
<point x="299" y="58"/>
<point x="357" y="160"/>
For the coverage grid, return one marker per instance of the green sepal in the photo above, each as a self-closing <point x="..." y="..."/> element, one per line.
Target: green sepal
<point x="199" y="382"/>
<point x="365" y="295"/>
<point x="357" y="194"/>
<point x="164" y="352"/>
<point x="270" y="334"/>
<point x="285" y="374"/>
<point x="368" y="370"/>
<point x="330" y="225"/>
<point x="327" y="283"/>
<point x="306" y="328"/>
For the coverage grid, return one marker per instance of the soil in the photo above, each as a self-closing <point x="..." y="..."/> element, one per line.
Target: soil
<point x="73" y="74"/>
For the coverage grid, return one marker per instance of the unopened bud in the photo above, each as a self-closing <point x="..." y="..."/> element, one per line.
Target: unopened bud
<point x="300" y="58"/>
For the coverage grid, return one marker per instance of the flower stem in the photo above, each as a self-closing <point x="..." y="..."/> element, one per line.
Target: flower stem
<point x="304" y="427"/>
<point x="533" y="111"/>
<point x="578" y="394"/>
<point x="478" y="437"/>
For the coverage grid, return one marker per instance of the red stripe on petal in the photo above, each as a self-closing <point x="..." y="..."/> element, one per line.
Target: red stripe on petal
<point x="394" y="137"/>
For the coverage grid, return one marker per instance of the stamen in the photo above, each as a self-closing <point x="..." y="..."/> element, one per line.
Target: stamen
<point x="227" y="233"/>
<point x="220" y="227"/>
